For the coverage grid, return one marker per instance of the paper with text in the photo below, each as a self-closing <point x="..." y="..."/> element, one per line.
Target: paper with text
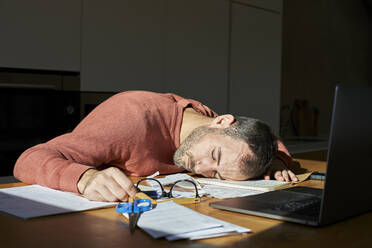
<point x="170" y="179"/>
<point x="35" y="201"/>
<point x="174" y="221"/>
<point x="259" y="185"/>
<point x="227" y="192"/>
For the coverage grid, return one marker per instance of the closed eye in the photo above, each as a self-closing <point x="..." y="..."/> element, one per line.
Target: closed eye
<point x="212" y="154"/>
<point x="219" y="156"/>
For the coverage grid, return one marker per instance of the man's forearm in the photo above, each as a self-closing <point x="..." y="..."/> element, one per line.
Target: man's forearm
<point x="46" y="165"/>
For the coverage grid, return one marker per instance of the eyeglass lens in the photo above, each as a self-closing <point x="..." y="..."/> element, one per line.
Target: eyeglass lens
<point x="151" y="187"/>
<point x="181" y="189"/>
<point x="184" y="189"/>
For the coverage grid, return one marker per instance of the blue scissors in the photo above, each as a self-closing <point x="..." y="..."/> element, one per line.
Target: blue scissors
<point x="134" y="208"/>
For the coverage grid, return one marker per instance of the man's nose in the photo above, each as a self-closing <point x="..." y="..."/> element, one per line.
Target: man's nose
<point x="204" y="168"/>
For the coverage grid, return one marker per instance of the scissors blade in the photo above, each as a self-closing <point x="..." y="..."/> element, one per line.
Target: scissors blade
<point x="133" y="219"/>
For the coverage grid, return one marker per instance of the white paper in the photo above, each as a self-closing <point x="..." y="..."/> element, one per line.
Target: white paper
<point x="215" y="191"/>
<point x="35" y="201"/>
<point x="214" y="235"/>
<point x="169" y="218"/>
<point x="227" y="192"/>
<point x="260" y="185"/>
<point x="225" y="229"/>
<point x="174" y="221"/>
<point x="170" y="179"/>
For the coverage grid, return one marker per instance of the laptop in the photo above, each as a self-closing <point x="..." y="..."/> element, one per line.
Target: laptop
<point x="347" y="191"/>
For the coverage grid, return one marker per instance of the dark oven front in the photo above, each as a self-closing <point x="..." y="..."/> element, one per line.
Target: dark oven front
<point x="30" y="116"/>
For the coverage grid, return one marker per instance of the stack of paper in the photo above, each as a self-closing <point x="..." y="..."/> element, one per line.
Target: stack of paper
<point x="173" y="221"/>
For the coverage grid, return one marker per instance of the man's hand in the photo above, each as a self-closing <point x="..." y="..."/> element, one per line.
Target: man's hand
<point x="280" y="172"/>
<point x="110" y="185"/>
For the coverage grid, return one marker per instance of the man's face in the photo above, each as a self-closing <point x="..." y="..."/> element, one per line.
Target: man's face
<point x="212" y="155"/>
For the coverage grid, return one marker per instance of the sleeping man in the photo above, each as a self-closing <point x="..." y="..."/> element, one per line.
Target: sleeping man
<point x="137" y="133"/>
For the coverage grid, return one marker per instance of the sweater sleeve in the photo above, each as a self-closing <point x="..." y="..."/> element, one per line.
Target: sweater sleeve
<point x="46" y="165"/>
<point x="97" y="141"/>
<point x="60" y="162"/>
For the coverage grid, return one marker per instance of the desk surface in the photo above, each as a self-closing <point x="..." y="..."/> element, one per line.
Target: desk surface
<point x="106" y="228"/>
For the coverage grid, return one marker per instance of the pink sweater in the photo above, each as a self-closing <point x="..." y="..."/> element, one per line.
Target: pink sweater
<point x="136" y="131"/>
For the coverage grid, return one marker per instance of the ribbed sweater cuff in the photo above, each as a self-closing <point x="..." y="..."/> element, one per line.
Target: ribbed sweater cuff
<point x="71" y="176"/>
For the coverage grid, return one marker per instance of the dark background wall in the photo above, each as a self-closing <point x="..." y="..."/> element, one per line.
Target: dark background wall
<point x="325" y="42"/>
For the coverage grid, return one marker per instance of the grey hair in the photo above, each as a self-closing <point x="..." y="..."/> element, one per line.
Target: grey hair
<point x="261" y="140"/>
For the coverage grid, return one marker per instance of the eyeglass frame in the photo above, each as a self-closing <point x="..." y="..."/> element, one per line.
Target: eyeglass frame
<point x="169" y="193"/>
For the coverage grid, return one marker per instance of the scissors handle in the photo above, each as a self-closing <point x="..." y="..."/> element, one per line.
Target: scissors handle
<point x="141" y="205"/>
<point x="124" y="207"/>
<point x="137" y="206"/>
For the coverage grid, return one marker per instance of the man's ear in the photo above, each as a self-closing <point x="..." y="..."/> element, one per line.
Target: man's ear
<point x="223" y="121"/>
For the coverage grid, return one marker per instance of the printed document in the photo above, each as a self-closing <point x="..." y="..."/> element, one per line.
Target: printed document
<point x="35" y="201"/>
<point x="259" y="185"/>
<point x="211" y="190"/>
<point x="173" y="221"/>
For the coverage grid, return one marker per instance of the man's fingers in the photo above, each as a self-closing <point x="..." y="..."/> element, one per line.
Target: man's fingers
<point x="285" y="175"/>
<point x="278" y="176"/>
<point x="107" y="194"/>
<point x="111" y="185"/>
<point x="99" y="185"/>
<point x="116" y="190"/>
<point x="94" y="196"/>
<point x="123" y="181"/>
<point x="267" y="177"/>
<point x="281" y="172"/>
<point x="293" y="176"/>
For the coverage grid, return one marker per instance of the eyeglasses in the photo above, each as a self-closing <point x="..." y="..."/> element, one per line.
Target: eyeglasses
<point x="182" y="191"/>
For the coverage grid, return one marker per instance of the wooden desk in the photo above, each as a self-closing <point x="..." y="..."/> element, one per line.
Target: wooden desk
<point x="106" y="228"/>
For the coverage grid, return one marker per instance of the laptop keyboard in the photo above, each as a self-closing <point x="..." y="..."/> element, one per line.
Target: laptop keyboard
<point x="309" y="207"/>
